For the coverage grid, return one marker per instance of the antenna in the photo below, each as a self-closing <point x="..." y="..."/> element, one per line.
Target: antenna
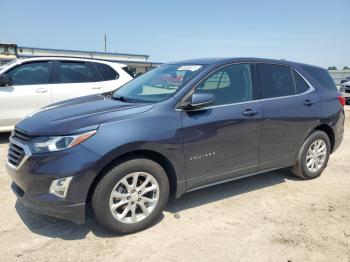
<point x="105" y="43"/>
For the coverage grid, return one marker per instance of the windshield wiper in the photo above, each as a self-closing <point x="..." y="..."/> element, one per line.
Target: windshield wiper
<point x="121" y="98"/>
<point x="125" y="99"/>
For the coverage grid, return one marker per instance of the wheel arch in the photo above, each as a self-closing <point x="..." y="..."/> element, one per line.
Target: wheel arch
<point x="141" y="153"/>
<point x="330" y="133"/>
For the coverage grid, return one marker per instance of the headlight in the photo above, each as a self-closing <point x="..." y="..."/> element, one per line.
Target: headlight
<point x="57" y="143"/>
<point x="342" y="88"/>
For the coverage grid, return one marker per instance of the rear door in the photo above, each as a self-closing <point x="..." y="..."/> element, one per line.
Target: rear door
<point x="222" y="140"/>
<point x="74" y="79"/>
<point x="30" y="91"/>
<point x="290" y="109"/>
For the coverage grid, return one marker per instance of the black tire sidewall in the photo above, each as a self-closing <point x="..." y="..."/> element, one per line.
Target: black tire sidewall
<point x="312" y="138"/>
<point x="100" y="202"/>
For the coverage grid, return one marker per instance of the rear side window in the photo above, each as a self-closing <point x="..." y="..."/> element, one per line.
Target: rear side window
<point x="300" y="84"/>
<point x="106" y="72"/>
<point x="91" y="73"/>
<point x="275" y="80"/>
<point x="321" y="76"/>
<point x="30" y="73"/>
<point x="71" y="72"/>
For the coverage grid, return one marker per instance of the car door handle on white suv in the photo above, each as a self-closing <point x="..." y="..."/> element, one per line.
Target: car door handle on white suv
<point x="41" y="90"/>
<point x="96" y="87"/>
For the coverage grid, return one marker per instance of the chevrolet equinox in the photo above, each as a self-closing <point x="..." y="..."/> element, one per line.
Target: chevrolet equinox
<point x="177" y="128"/>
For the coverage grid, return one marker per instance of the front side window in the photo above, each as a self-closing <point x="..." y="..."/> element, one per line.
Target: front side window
<point x="71" y="72"/>
<point x="30" y="73"/>
<point x="230" y="84"/>
<point x="275" y="80"/>
<point x="158" y="84"/>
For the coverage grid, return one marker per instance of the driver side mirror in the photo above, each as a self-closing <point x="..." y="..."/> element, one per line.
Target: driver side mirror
<point x="5" y="80"/>
<point x="198" y="100"/>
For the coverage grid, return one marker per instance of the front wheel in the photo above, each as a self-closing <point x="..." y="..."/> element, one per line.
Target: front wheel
<point x="131" y="196"/>
<point x="313" y="156"/>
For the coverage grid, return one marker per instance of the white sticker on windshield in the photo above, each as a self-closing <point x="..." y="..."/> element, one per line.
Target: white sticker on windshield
<point x="189" y="68"/>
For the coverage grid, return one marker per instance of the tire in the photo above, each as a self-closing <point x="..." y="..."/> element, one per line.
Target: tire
<point x="301" y="168"/>
<point x="115" y="181"/>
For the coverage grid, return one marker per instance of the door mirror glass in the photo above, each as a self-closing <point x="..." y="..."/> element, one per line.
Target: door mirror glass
<point x="199" y="100"/>
<point x="5" y="80"/>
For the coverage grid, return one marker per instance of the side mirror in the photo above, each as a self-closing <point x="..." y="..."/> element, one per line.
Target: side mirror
<point x="5" y="80"/>
<point x="199" y="100"/>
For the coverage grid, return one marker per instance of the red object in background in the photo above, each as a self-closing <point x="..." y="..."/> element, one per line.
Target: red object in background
<point x="341" y="100"/>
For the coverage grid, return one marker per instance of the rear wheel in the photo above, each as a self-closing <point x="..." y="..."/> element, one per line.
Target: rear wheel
<point x="313" y="156"/>
<point x="131" y="196"/>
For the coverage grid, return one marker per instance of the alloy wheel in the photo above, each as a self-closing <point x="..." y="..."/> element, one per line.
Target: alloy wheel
<point x="316" y="155"/>
<point x="134" y="197"/>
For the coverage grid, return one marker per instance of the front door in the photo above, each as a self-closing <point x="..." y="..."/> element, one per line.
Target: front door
<point x="30" y="90"/>
<point x="222" y="140"/>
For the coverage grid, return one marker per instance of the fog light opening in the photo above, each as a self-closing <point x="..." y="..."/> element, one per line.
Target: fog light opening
<point x="59" y="187"/>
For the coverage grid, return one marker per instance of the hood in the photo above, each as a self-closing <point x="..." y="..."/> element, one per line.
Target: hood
<point x="78" y="115"/>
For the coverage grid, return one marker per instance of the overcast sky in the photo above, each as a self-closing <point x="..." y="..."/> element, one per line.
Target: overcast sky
<point x="311" y="31"/>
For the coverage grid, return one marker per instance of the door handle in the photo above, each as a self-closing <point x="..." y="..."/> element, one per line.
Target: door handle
<point x="41" y="90"/>
<point x="96" y="87"/>
<point x="309" y="102"/>
<point x="250" y="112"/>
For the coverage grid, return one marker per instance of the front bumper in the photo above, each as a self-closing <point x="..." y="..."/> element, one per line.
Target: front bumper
<point x="74" y="213"/>
<point x="31" y="182"/>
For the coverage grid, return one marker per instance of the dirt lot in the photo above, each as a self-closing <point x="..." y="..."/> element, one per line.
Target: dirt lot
<point x="268" y="217"/>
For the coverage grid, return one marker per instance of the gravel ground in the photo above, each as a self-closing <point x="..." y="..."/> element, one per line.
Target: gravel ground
<point x="268" y="217"/>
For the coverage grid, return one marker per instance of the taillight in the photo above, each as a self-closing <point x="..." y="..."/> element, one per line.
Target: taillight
<point x="341" y="100"/>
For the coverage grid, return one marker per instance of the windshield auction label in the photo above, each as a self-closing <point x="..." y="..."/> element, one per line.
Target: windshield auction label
<point x="189" y="68"/>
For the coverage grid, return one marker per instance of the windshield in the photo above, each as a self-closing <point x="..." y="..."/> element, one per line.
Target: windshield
<point x="8" y="64"/>
<point x="158" y="84"/>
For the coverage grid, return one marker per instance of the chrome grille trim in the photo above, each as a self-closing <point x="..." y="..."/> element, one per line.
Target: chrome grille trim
<point x="18" y="153"/>
<point x="20" y="135"/>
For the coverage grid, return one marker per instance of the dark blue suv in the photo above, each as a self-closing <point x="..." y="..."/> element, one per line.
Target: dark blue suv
<point x="177" y="128"/>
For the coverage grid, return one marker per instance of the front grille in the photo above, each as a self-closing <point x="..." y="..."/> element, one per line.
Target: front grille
<point x="15" y="154"/>
<point x="20" y="135"/>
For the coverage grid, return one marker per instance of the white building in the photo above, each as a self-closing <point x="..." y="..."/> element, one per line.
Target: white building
<point x="136" y="62"/>
<point x="338" y="75"/>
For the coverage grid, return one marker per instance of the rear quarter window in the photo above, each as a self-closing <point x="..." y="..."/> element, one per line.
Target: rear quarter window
<point x="321" y="76"/>
<point x="106" y="72"/>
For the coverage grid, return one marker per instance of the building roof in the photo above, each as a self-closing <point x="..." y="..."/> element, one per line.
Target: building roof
<point x="81" y="51"/>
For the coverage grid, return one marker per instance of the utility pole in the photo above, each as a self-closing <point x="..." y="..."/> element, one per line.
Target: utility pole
<point x="105" y="43"/>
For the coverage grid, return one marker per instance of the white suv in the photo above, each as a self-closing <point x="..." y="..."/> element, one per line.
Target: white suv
<point x="30" y="83"/>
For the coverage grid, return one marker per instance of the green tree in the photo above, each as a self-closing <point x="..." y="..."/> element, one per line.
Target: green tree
<point x="332" y="68"/>
<point x="346" y="68"/>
